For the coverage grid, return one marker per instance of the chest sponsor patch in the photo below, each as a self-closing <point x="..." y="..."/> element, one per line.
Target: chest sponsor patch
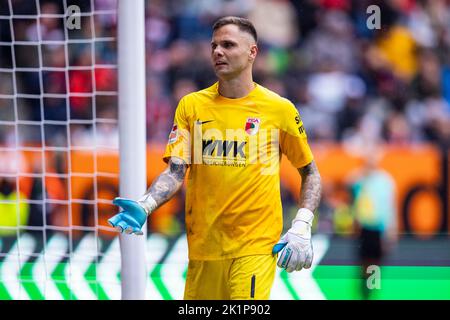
<point x="252" y="126"/>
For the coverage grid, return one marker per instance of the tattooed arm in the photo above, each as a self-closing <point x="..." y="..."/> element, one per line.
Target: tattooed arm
<point x="298" y="252"/>
<point x="135" y="213"/>
<point x="166" y="185"/>
<point x="311" y="187"/>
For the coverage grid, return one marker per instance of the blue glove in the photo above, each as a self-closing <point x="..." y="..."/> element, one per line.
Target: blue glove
<point x="131" y="219"/>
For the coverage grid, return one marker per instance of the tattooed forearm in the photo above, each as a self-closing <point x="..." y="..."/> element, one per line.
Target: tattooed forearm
<point x="168" y="182"/>
<point x="311" y="187"/>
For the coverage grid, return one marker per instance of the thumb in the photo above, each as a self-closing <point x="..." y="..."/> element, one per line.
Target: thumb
<point x="119" y="201"/>
<point x="127" y="204"/>
<point x="279" y="245"/>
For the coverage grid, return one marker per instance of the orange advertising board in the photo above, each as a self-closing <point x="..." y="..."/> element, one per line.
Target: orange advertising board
<point x="420" y="174"/>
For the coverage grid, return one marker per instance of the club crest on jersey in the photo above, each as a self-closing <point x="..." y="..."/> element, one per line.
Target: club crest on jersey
<point x="252" y="126"/>
<point x="173" y="134"/>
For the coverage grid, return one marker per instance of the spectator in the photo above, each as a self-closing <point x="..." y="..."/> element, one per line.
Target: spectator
<point x="276" y="22"/>
<point x="14" y="213"/>
<point x="332" y="43"/>
<point x="374" y="209"/>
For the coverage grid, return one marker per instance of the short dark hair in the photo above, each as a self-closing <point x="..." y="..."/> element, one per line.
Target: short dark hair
<point x="243" y="24"/>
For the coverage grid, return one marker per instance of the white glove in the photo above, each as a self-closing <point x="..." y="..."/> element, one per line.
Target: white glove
<point x="296" y="245"/>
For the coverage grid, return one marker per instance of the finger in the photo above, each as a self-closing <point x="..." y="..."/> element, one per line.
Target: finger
<point x="118" y="201"/>
<point x="113" y="221"/>
<point x="299" y="266"/>
<point x="309" y="260"/>
<point x="286" y="255"/>
<point x="278" y="247"/>
<point x="280" y="259"/>
<point x="301" y="261"/>
<point x="121" y="226"/>
<point x="290" y="269"/>
<point x="128" y="205"/>
<point x="128" y="230"/>
<point x="292" y="262"/>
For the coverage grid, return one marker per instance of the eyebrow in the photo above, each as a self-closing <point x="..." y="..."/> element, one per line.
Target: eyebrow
<point x="226" y="40"/>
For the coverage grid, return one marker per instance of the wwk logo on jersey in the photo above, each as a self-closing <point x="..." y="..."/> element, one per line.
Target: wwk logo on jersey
<point x="252" y="126"/>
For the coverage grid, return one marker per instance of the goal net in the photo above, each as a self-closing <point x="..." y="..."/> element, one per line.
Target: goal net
<point x="59" y="150"/>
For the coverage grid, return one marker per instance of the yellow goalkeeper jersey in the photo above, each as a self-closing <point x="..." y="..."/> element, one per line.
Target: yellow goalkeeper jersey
<point x="233" y="148"/>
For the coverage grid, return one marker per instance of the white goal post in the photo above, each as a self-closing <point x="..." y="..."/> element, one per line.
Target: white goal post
<point x="132" y="137"/>
<point x="58" y="169"/>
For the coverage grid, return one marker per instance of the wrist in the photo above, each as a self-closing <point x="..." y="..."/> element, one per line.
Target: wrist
<point x="148" y="204"/>
<point x="305" y="215"/>
<point x="302" y="222"/>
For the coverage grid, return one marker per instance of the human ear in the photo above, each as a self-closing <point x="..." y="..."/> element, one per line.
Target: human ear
<point x="253" y="52"/>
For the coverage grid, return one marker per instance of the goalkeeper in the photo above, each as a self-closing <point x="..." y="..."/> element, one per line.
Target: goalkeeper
<point x="233" y="204"/>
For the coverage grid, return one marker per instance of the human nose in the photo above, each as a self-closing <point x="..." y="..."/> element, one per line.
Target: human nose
<point x="217" y="52"/>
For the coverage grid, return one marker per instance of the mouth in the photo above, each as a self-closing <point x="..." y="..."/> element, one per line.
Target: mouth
<point x="220" y="63"/>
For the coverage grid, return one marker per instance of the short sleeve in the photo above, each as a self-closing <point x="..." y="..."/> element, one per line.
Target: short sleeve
<point x="293" y="139"/>
<point x="178" y="144"/>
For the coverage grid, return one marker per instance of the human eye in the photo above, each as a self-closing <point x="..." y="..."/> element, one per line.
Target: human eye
<point x="228" y="44"/>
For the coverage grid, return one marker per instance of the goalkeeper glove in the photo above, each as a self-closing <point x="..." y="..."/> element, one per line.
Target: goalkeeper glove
<point x="134" y="214"/>
<point x="296" y="246"/>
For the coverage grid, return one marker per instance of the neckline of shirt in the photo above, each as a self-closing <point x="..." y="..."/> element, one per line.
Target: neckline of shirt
<point x="249" y="95"/>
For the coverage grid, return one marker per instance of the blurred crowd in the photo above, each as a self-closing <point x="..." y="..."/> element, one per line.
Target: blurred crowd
<point x="350" y="82"/>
